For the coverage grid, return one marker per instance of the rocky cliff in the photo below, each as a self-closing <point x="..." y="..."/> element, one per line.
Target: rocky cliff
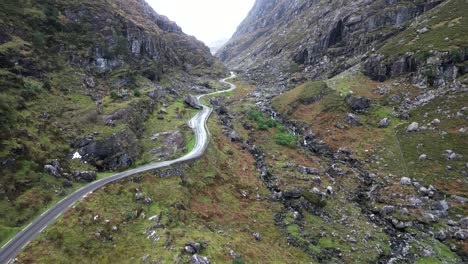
<point x="317" y="39"/>
<point x="83" y="85"/>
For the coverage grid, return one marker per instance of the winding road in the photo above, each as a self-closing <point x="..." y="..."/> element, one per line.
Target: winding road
<point x="198" y="123"/>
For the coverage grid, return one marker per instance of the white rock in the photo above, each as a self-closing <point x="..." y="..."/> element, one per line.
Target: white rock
<point x="413" y="127"/>
<point x="76" y="155"/>
<point x="405" y="181"/>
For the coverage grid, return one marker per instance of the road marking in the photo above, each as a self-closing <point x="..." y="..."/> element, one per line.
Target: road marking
<point x="27" y="243"/>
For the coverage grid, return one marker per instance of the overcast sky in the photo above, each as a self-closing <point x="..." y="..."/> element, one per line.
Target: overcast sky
<point x="207" y="20"/>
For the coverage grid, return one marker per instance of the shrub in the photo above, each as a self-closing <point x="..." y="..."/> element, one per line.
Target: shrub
<point x="315" y="199"/>
<point x="137" y="93"/>
<point x="285" y="139"/>
<point x="38" y="39"/>
<point x="31" y="89"/>
<point x="114" y="95"/>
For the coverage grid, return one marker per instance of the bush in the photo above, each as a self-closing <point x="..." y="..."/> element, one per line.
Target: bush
<point x="315" y="199"/>
<point x="285" y="139"/>
<point x="31" y="89"/>
<point x="38" y="39"/>
<point x="137" y="93"/>
<point x="114" y="95"/>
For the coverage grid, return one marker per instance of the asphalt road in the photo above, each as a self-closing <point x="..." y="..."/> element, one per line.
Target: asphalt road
<point x="198" y="123"/>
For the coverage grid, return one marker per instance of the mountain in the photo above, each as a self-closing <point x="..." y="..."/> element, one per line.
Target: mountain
<point x="323" y="38"/>
<point x="88" y="81"/>
<point x="376" y="90"/>
<point x="216" y="45"/>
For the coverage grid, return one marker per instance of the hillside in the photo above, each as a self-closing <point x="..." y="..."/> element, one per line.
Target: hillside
<point x="377" y="91"/>
<point x="84" y="87"/>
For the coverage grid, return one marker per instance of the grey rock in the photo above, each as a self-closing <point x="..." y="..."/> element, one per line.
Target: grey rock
<point x="114" y="153"/>
<point x="163" y="111"/>
<point x="423" y="157"/>
<point x="257" y="236"/>
<point x="67" y="184"/>
<point x="405" y="181"/>
<point x="413" y="127"/>
<point x="435" y="122"/>
<point x="384" y="123"/>
<point x="440" y="206"/>
<point x="51" y="170"/>
<point x="401" y="224"/>
<point x="459" y="199"/>
<point x="422" y="30"/>
<point x="461" y="234"/>
<point x="441" y="235"/>
<point x="414" y="202"/>
<point x="192" y="101"/>
<point x="145" y="258"/>
<point x="404" y="211"/>
<point x="147" y="200"/>
<point x="388" y="209"/>
<point x="155" y="218"/>
<point x="424" y="191"/>
<point x="307" y="170"/>
<point x="139" y="196"/>
<point x="192" y="248"/>
<point x="464" y="223"/>
<point x="358" y="103"/>
<point x="352" y="119"/>
<point x="90" y="83"/>
<point x="88" y="176"/>
<point x="197" y="259"/>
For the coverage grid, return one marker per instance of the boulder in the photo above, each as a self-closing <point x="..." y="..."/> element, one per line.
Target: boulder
<point x="461" y="234"/>
<point x="192" y="101"/>
<point x="440" y="206"/>
<point x="352" y="119"/>
<point x="51" y="170"/>
<point x="388" y="209"/>
<point x="358" y="103"/>
<point x="405" y="181"/>
<point x="193" y="248"/>
<point x="88" y="176"/>
<point x="413" y="127"/>
<point x="67" y="184"/>
<point x="384" y="123"/>
<point x="257" y="236"/>
<point x="423" y="157"/>
<point x="464" y="223"/>
<point x="197" y="259"/>
<point x="441" y="235"/>
<point x="116" y="152"/>
<point x="307" y="170"/>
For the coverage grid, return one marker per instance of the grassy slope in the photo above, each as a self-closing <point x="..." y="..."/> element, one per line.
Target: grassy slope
<point x="194" y="207"/>
<point x="448" y="28"/>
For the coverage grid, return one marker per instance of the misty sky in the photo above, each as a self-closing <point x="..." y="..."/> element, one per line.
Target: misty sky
<point x="207" y="20"/>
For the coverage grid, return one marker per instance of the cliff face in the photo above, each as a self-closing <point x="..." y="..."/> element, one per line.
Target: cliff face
<point x="317" y="39"/>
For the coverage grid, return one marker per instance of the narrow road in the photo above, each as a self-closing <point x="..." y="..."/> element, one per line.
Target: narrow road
<point x="198" y="123"/>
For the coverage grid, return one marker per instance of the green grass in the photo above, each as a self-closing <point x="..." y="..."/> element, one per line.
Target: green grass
<point x="303" y="94"/>
<point x="448" y="20"/>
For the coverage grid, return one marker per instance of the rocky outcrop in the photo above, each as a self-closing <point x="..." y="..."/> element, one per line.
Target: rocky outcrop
<point x="282" y="37"/>
<point x="116" y="152"/>
<point x="192" y="101"/>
